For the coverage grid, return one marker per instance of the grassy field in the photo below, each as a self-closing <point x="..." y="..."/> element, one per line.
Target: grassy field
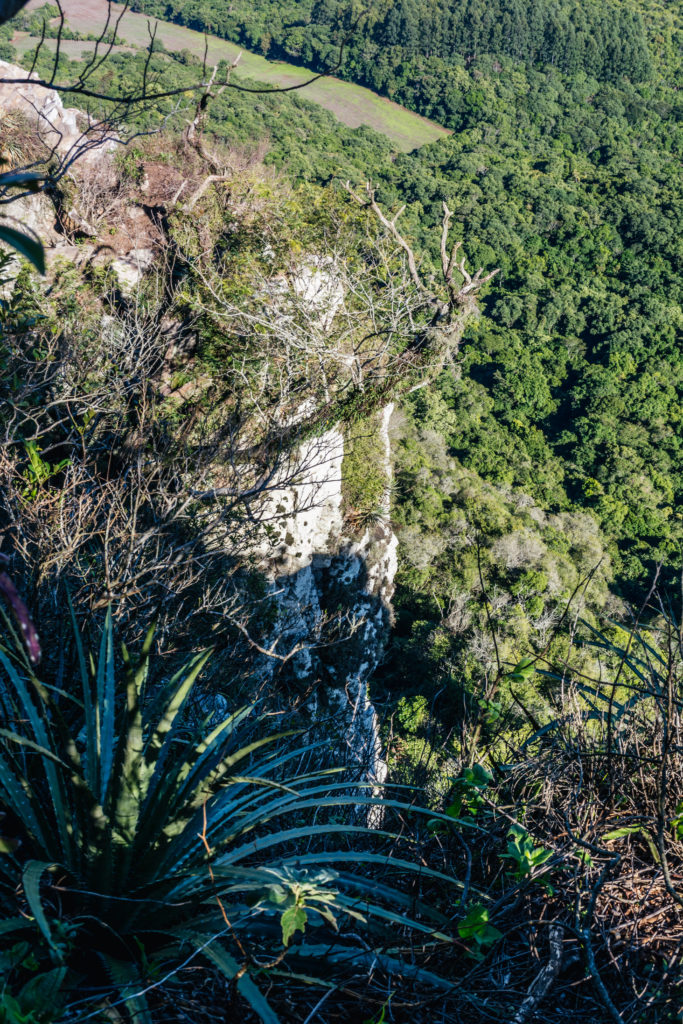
<point x="352" y="104"/>
<point x="74" y="48"/>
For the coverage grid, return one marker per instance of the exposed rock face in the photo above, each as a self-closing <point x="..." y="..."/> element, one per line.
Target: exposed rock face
<point x="316" y="567"/>
<point x="130" y="269"/>
<point x="59" y="128"/>
<point x="55" y="131"/>
<point x="37" y="214"/>
<point x="313" y="508"/>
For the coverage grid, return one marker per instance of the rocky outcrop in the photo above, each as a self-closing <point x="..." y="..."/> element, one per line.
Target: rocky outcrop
<point x="44" y="131"/>
<point x="315" y="562"/>
<point x="317" y="567"/>
<point x="62" y="130"/>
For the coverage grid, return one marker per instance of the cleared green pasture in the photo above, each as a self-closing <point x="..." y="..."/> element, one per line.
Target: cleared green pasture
<point x="352" y="104"/>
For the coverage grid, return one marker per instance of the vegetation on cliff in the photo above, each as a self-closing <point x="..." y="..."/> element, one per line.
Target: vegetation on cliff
<point x="229" y="289"/>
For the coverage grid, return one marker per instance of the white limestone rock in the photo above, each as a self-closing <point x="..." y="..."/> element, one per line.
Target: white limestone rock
<point x="63" y="129"/>
<point x="131" y="268"/>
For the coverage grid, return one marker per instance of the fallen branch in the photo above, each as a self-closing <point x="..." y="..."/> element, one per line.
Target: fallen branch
<point x="545" y="977"/>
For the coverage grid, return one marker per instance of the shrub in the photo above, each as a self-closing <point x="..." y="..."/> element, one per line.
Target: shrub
<point x="580" y="838"/>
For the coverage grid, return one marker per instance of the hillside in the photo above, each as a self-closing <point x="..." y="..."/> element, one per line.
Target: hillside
<point x="571" y="385"/>
<point x="341" y="510"/>
<point x="353" y="105"/>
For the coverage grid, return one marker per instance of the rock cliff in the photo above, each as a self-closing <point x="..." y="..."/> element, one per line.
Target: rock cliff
<point x="314" y="559"/>
<point x="317" y="566"/>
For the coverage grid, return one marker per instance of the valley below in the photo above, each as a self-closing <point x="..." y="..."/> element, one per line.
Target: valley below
<point x="352" y="104"/>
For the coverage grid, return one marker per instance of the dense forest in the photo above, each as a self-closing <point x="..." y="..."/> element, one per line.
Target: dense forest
<point x="401" y="41"/>
<point x="527" y="677"/>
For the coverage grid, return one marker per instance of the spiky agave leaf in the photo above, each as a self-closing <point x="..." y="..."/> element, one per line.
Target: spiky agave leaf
<point x="143" y="754"/>
<point x="141" y="854"/>
<point x="233" y="971"/>
<point x="25" y="704"/>
<point x="128" y="983"/>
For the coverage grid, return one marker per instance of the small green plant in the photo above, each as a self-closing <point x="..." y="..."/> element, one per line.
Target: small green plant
<point x="523" y="672"/>
<point x="469" y="791"/>
<point x="382" y="1015"/>
<point x="492" y="710"/>
<point x="634" y="830"/>
<point x="526" y="858"/>
<point x="294" y="894"/>
<point x="39" y="470"/>
<point x="467" y="795"/>
<point x="583" y="856"/>
<point x="130" y="164"/>
<point x="37" y="1002"/>
<point x="476" y="928"/>
<point x="28" y="995"/>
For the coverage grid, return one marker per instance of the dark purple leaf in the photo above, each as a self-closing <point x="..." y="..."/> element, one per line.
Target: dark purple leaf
<point x="21" y="614"/>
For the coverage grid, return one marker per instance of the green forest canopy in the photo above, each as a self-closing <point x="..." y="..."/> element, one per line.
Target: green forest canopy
<point x="564" y="169"/>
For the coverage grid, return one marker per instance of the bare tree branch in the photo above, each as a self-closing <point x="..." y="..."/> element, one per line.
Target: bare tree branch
<point x="145" y="96"/>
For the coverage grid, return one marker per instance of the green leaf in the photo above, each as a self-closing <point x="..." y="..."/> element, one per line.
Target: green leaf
<point x="474" y="923"/>
<point x="177" y="693"/>
<point x="236" y="854"/>
<point x="27" y="246"/>
<point x="294" y="919"/>
<point x="22" y="741"/>
<point x="475" y="927"/>
<point x="28" y="810"/>
<point x="523" y="671"/>
<point x="37" y="721"/>
<point x="126" y="977"/>
<point x="619" y="833"/>
<point x="13" y="924"/>
<point x="33" y="872"/>
<point x="358" y="857"/>
<point x="245" y="986"/>
<point x="91" y="763"/>
<point x="42" y="993"/>
<point x="105" y="708"/>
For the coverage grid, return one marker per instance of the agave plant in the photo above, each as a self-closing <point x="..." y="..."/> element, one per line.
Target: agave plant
<point x="131" y="834"/>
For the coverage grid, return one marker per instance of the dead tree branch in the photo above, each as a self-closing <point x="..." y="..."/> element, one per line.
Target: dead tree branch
<point x="544" y="978"/>
<point x="458" y="295"/>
